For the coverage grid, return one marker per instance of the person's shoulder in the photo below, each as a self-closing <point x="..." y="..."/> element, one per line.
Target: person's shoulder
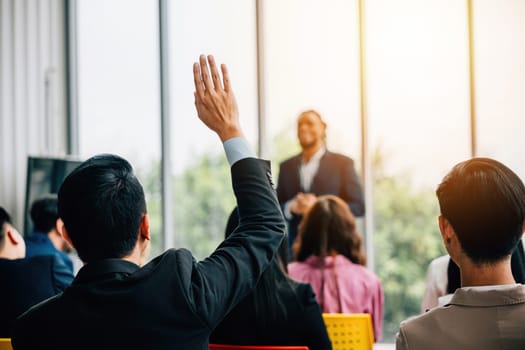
<point x="439" y="262"/>
<point x="338" y="157"/>
<point x="41" y="311"/>
<point x="173" y="263"/>
<point x="420" y="331"/>
<point x="296" y="266"/>
<point x="36" y="266"/>
<point x="426" y="320"/>
<point x="290" y="161"/>
<point x="47" y="259"/>
<point x="170" y="256"/>
<point x="304" y="292"/>
<point x="30" y="322"/>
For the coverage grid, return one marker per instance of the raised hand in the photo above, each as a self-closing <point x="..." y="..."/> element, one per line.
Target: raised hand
<point x="214" y="100"/>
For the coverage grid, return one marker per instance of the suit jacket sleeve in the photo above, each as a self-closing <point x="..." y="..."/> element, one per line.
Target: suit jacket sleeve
<point x="220" y="281"/>
<point x="285" y="182"/>
<point x="351" y="190"/>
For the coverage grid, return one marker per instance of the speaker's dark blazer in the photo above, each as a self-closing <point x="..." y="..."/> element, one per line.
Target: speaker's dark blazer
<point x="26" y="282"/>
<point x="173" y="302"/>
<point x="336" y="175"/>
<point x="303" y="324"/>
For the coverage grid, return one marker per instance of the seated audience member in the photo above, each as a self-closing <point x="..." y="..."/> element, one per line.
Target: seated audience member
<point x="173" y="302"/>
<point x="279" y="311"/>
<point x="329" y="256"/>
<point x="46" y="238"/>
<point x="482" y="205"/>
<point x="24" y="282"/>
<point x="443" y="278"/>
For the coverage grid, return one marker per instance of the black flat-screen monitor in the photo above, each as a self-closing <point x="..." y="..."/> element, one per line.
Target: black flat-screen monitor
<point x="44" y="176"/>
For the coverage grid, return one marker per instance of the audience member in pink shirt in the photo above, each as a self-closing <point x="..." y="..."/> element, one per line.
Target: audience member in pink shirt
<point x="329" y="256"/>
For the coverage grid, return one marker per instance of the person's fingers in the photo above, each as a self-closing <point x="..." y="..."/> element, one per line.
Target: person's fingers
<point x="205" y="73"/>
<point x="199" y="89"/>
<point x="214" y="73"/>
<point x="225" y="78"/>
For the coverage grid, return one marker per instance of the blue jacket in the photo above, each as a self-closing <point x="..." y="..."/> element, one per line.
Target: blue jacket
<point x="38" y="243"/>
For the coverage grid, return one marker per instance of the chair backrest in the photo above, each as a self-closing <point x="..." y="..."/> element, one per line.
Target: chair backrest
<point x="5" y="344"/>
<point x="254" y="347"/>
<point x="349" y="331"/>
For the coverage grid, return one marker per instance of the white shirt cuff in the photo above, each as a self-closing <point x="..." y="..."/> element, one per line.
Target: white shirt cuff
<point x="238" y="148"/>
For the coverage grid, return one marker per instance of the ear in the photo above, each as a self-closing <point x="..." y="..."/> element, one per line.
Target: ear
<point x="59" y="224"/>
<point x="447" y="231"/>
<point x="443" y="228"/>
<point x="65" y="235"/>
<point x="144" y="227"/>
<point x="14" y="237"/>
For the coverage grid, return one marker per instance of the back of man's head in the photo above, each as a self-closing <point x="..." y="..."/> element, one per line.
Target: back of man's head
<point x="5" y="219"/>
<point x="484" y="201"/>
<point x="102" y="204"/>
<point x="44" y="213"/>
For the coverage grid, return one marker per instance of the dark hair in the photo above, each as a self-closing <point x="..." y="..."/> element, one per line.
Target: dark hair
<point x="517" y="265"/>
<point x="102" y="204"/>
<point x="5" y="218"/>
<point x="329" y="228"/>
<point x="484" y="201"/>
<point x="44" y="213"/>
<point x="269" y="305"/>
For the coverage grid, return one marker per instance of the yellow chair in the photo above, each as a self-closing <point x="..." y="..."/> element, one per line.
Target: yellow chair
<point x="5" y="344"/>
<point x="349" y="331"/>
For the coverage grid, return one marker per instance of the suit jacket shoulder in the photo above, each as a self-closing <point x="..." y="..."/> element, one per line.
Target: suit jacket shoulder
<point x="474" y="319"/>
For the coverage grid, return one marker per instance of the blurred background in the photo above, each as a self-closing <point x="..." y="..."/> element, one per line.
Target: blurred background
<point x="408" y="88"/>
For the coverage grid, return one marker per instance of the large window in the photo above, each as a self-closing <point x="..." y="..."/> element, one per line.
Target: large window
<point x="118" y="89"/>
<point x="202" y="196"/>
<point x="418" y="112"/>
<point x="499" y="59"/>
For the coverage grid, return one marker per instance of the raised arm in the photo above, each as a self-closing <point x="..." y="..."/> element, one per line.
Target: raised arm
<point x="220" y="281"/>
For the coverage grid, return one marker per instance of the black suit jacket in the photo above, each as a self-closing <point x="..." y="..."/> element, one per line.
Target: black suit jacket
<point x="173" y="302"/>
<point x="336" y="175"/>
<point x="303" y="324"/>
<point x="26" y="282"/>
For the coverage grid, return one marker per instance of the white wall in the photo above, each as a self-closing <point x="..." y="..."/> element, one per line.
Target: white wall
<point x="32" y="92"/>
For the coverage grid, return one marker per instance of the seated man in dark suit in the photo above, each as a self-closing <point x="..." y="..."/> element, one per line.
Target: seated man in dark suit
<point x="482" y="218"/>
<point x="46" y="238"/>
<point x="173" y="302"/>
<point x="24" y="282"/>
<point x="314" y="172"/>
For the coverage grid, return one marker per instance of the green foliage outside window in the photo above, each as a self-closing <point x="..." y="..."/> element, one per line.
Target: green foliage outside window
<point x="406" y="239"/>
<point x="203" y="200"/>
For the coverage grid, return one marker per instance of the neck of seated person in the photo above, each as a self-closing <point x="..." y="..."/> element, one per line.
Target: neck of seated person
<point x="487" y="274"/>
